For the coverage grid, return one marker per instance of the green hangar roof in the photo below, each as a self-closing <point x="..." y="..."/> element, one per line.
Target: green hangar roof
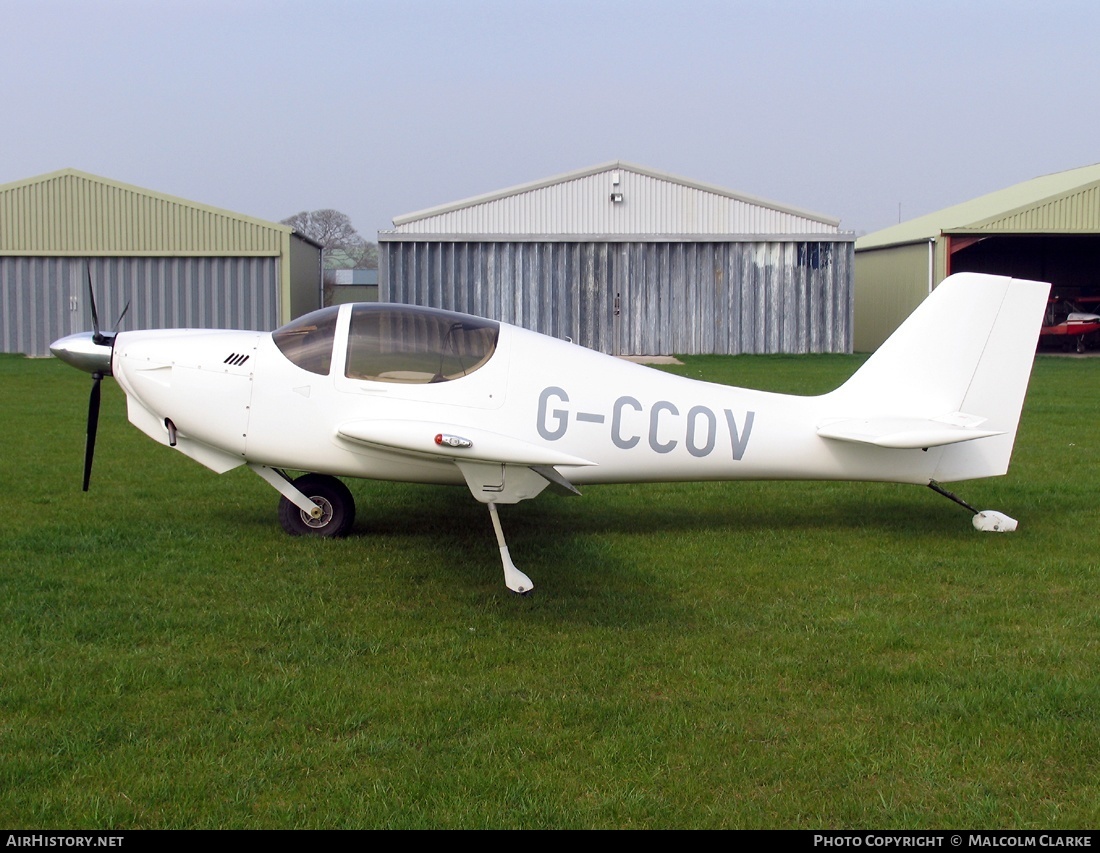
<point x="1062" y="203"/>
<point x="69" y="212"/>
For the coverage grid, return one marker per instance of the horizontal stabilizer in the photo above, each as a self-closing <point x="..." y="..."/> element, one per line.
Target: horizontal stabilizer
<point x="450" y="441"/>
<point x="908" y="433"/>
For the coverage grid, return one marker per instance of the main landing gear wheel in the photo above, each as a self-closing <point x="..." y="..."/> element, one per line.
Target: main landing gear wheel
<point x="332" y="496"/>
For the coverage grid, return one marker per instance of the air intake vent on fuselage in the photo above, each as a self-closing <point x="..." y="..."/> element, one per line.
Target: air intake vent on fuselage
<point x="236" y="359"/>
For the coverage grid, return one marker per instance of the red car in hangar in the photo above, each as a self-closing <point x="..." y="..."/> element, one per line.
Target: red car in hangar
<point x="1071" y="324"/>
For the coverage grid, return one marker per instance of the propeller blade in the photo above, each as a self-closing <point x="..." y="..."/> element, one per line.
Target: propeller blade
<point x="96" y="336"/>
<point x="99" y="339"/>
<point x="118" y="322"/>
<point x="93" y="426"/>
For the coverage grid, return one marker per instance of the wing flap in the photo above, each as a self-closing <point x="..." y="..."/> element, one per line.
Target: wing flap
<point x="450" y="441"/>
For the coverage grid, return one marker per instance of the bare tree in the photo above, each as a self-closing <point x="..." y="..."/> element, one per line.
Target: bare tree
<point x="333" y="230"/>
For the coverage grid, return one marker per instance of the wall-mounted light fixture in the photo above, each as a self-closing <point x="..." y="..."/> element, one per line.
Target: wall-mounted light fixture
<point x="617" y="197"/>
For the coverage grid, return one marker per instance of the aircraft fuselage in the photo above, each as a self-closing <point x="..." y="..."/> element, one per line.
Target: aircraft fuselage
<point x="234" y="398"/>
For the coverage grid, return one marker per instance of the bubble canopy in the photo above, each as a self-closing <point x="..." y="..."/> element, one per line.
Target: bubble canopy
<point x="391" y="343"/>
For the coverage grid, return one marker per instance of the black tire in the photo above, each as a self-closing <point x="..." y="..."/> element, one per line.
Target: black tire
<point x="335" y="500"/>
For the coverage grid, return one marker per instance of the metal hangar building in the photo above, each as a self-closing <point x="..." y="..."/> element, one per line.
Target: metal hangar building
<point x="631" y="261"/>
<point x="1046" y="229"/>
<point x="177" y="263"/>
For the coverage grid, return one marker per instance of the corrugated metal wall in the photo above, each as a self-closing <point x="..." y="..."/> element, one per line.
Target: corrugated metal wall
<point x="889" y="285"/>
<point x="641" y="297"/>
<point x="45" y="298"/>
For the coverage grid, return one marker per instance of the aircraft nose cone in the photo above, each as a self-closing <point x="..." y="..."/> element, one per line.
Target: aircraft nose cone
<point x="84" y="353"/>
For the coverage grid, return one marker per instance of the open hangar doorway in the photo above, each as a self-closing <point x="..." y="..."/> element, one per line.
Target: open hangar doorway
<point x="1070" y="262"/>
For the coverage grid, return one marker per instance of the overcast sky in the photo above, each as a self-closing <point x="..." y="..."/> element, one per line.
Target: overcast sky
<point x="849" y="108"/>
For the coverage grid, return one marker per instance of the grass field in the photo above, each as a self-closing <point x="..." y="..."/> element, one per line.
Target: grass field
<point x="788" y="655"/>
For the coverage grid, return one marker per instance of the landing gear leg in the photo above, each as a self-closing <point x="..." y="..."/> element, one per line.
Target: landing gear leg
<point x="312" y="505"/>
<point x="987" y="520"/>
<point x="514" y="579"/>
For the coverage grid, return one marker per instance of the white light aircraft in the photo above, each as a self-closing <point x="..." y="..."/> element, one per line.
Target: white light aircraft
<point x="398" y="392"/>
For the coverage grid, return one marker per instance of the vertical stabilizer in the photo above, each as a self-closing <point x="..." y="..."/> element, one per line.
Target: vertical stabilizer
<point x="966" y="351"/>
